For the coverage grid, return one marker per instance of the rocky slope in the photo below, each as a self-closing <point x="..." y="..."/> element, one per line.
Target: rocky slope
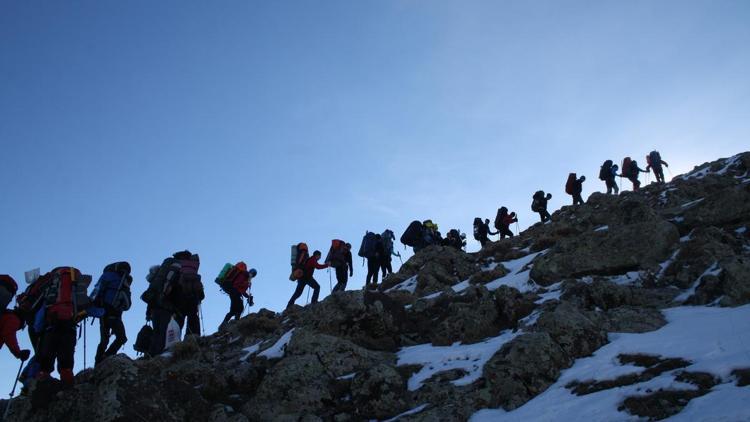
<point x="453" y="333"/>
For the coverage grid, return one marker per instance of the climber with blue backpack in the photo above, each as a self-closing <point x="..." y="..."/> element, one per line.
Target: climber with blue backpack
<point x="236" y="280"/>
<point x="372" y="249"/>
<point x="112" y="293"/>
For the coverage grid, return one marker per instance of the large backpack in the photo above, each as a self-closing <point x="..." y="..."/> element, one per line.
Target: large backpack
<point x="300" y="255"/>
<point x="66" y="293"/>
<point x="161" y="282"/>
<point x="8" y="289"/>
<point x="654" y="159"/>
<point x="190" y="286"/>
<point x="337" y="253"/>
<point x="113" y="287"/>
<point x="387" y="238"/>
<point x="605" y="171"/>
<point x="570" y="184"/>
<point x="221" y="280"/>
<point x="413" y="234"/>
<point x="627" y="168"/>
<point x="477" y="228"/>
<point x="143" y="340"/>
<point x="368" y="248"/>
<point x="536" y="204"/>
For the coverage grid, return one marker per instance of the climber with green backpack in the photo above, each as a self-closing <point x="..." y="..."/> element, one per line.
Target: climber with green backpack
<point x="235" y="280"/>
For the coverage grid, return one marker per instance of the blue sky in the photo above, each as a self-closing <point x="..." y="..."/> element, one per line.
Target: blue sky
<point x="131" y="130"/>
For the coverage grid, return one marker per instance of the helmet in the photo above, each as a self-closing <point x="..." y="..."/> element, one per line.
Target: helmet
<point x="253" y="272"/>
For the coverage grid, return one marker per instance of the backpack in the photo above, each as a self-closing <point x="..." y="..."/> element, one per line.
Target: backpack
<point x="536" y="204"/>
<point x="65" y="293"/>
<point x="190" y="286"/>
<point x="477" y="228"/>
<point x="606" y="170"/>
<point x="222" y="280"/>
<point x="143" y="340"/>
<point x="161" y="282"/>
<point x="413" y="234"/>
<point x="300" y="255"/>
<point x="337" y="253"/>
<point x="8" y="289"/>
<point x="368" y="248"/>
<point x="31" y="299"/>
<point x="627" y="169"/>
<point x="387" y="238"/>
<point x="570" y="184"/>
<point x="113" y="287"/>
<point x="654" y="159"/>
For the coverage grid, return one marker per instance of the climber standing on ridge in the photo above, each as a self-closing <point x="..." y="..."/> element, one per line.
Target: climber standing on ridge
<point x="630" y="170"/>
<point x="607" y="174"/>
<point x="574" y="187"/>
<point x="539" y="205"/>
<point x="236" y="282"/>
<point x="310" y="265"/>
<point x="112" y="293"/>
<point x="340" y="258"/>
<point x="375" y="255"/>
<point x="503" y="220"/>
<point x="385" y="265"/>
<point x="189" y="292"/>
<point x="160" y="300"/>
<point x="655" y="162"/>
<point x="482" y="230"/>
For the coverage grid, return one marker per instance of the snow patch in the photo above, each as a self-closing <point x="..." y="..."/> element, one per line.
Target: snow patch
<point x="601" y="229"/>
<point x="347" y="376"/>
<point x="716" y="340"/>
<point x="435" y="359"/>
<point x="517" y="277"/>
<point x="249" y="351"/>
<point x="279" y="348"/>
<point x="408" y="412"/>
<point x="691" y="203"/>
<point x="410" y="285"/>
<point x="741" y="230"/>
<point x="553" y="293"/>
<point x="712" y="270"/>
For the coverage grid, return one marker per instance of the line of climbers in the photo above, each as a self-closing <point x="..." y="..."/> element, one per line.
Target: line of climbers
<point x="56" y="305"/>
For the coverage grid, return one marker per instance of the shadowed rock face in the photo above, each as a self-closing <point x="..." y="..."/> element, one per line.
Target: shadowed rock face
<point x="607" y="266"/>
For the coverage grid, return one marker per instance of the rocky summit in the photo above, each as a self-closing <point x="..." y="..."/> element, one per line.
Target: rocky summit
<point x="628" y="307"/>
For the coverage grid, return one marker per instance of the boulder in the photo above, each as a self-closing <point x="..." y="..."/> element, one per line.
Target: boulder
<point x="436" y="268"/>
<point x="577" y="334"/>
<point x="379" y="393"/>
<point x="609" y="252"/>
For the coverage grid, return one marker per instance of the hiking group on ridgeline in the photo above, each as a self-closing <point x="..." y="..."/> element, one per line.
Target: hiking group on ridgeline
<point x="56" y="305"/>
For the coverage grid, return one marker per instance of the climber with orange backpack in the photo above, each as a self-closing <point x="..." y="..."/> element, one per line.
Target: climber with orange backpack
<point x="655" y="162"/>
<point x="236" y="280"/>
<point x="340" y="258"/>
<point x="303" y="269"/>
<point x="630" y="170"/>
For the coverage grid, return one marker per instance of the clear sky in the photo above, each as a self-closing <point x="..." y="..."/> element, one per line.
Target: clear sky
<point x="130" y="130"/>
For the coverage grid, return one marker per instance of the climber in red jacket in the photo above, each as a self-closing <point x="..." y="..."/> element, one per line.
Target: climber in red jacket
<point x="307" y="279"/>
<point x="10" y="322"/>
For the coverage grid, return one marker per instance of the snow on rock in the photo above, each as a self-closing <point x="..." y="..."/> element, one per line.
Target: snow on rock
<point x="410" y="285"/>
<point x="279" y="348"/>
<point x="518" y="275"/>
<point x="712" y="270"/>
<point x="601" y="229"/>
<point x="741" y="230"/>
<point x="692" y="203"/>
<point x="408" y="412"/>
<point x="714" y="340"/>
<point x="249" y="351"/>
<point x="553" y="293"/>
<point x="467" y="357"/>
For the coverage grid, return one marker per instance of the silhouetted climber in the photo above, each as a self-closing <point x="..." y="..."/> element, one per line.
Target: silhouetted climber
<point x="503" y="222"/>
<point x="577" y="190"/>
<point x="340" y="258"/>
<point x="10" y="323"/>
<point x="655" y="162"/>
<point x="482" y="230"/>
<point x="236" y="281"/>
<point x="189" y="292"/>
<point x="539" y="205"/>
<point x="310" y="265"/>
<point x="112" y="293"/>
<point x="455" y="239"/>
<point x="386" y="262"/>
<point x="607" y="173"/>
<point x="630" y="170"/>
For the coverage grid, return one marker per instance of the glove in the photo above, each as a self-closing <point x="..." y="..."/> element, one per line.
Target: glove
<point x="250" y="300"/>
<point x="24" y="355"/>
<point x="80" y="316"/>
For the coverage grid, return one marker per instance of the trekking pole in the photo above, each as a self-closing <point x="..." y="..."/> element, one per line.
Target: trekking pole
<point x="399" y="258"/>
<point x="308" y="296"/>
<point x="12" y="392"/>
<point x="200" y="310"/>
<point x="330" y="284"/>
<point x="84" y="344"/>
<point x="518" y="229"/>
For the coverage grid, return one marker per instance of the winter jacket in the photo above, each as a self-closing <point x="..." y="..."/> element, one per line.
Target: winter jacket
<point x="9" y="324"/>
<point x="508" y="220"/>
<point x="311" y="265"/>
<point x="241" y="282"/>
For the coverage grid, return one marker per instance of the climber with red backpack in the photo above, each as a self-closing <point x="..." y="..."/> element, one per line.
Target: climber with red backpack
<point x="307" y="266"/>
<point x="574" y="188"/>
<point x="503" y="220"/>
<point x="112" y="293"/>
<point x="630" y="170"/>
<point x="655" y="162"/>
<point x="236" y="280"/>
<point x="340" y="259"/>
